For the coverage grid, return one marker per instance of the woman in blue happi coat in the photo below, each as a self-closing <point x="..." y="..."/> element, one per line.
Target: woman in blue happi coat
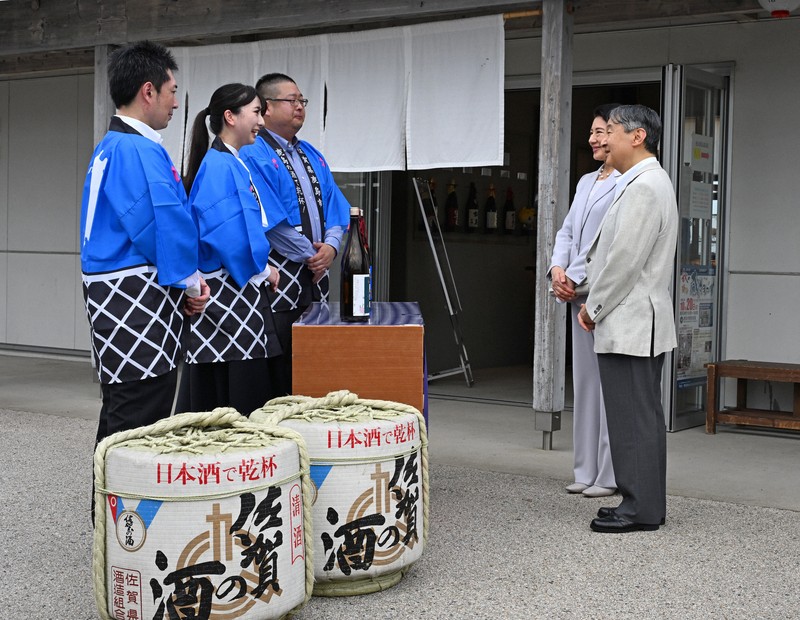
<point x="230" y="342"/>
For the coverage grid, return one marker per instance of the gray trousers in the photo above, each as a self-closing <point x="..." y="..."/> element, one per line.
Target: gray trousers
<point x="637" y="433"/>
<point x="592" y="454"/>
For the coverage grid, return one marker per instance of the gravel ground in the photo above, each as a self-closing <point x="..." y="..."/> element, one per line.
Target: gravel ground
<point x="500" y="546"/>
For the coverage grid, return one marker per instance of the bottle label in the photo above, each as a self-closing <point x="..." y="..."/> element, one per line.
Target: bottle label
<point x="511" y="219"/>
<point x="491" y="219"/>
<point x="472" y="220"/>
<point x="452" y="218"/>
<point x="361" y="284"/>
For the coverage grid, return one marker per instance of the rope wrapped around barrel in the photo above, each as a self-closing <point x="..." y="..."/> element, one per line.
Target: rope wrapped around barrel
<point x="219" y="430"/>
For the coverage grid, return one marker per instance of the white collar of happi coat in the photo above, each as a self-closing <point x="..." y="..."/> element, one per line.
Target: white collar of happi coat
<point x="232" y="149"/>
<point x="143" y="128"/>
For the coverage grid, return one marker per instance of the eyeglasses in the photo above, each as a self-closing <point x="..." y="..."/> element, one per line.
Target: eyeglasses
<point x="292" y="102"/>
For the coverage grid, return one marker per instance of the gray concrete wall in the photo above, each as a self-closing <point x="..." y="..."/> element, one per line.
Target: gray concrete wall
<point x="4" y="89"/>
<point x="46" y="132"/>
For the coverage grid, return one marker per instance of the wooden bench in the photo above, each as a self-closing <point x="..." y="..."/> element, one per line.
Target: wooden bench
<point x="742" y="371"/>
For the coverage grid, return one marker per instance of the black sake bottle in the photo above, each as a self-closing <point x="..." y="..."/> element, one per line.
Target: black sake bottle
<point x="356" y="276"/>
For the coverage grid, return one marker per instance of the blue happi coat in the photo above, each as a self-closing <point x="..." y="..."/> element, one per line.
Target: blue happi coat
<point x="227" y="209"/>
<point x="270" y="174"/>
<point x="138" y="242"/>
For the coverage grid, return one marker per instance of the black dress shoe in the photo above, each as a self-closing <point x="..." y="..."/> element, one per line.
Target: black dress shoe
<point x="614" y="524"/>
<point x="607" y="511"/>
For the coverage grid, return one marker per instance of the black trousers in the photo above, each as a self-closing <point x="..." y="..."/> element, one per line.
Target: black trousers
<point x="637" y="433"/>
<point x="244" y="385"/>
<point x="280" y="367"/>
<point x="132" y="404"/>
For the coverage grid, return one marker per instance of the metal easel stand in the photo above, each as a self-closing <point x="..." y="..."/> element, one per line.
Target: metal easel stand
<point x="440" y="259"/>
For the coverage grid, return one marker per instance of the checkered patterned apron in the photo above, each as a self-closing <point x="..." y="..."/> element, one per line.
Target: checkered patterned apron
<point x="135" y="323"/>
<point x="296" y="288"/>
<point x="232" y="327"/>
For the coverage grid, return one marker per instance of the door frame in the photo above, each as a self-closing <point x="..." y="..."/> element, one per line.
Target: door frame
<point x="674" y="81"/>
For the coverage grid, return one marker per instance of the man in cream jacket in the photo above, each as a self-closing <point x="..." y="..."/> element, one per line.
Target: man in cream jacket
<point x="630" y="310"/>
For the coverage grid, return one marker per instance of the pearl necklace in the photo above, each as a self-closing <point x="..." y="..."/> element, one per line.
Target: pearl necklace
<point x="603" y="173"/>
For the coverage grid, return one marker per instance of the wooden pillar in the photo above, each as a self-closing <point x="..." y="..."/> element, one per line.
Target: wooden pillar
<point x="103" y="111"/>
<point x="103" y="106"/>
<point x="555" y="112"/>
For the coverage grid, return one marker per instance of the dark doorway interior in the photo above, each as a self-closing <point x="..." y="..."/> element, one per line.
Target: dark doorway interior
<point x="493" y="268"/>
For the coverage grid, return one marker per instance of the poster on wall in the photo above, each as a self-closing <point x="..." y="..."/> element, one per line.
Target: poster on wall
<point x="700" y="199"/>
<point x="695" y="325"/>
<point x="697" y="192"/>
<point x="702" y="153"/>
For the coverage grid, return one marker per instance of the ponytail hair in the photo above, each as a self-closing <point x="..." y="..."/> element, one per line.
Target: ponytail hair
<point x="228" y="97"/>
<point x="197" y="149"/>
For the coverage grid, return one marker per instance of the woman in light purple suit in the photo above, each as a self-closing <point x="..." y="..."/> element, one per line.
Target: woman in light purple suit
<point x="594" y="473"/>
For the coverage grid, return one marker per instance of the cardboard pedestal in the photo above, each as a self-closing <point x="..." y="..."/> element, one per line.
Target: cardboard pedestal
<point x="382" y="359"/>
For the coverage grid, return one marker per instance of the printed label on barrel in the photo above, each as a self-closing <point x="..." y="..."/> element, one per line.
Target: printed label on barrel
<point x="367" y="518"/>
<point x="368" y="505"/>
<point x="235" y="557"/>
<point x="376" y="440"/>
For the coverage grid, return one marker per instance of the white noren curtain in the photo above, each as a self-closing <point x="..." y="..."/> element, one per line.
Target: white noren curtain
<point x="414" y="97"/>
<point x="455" y="101"/>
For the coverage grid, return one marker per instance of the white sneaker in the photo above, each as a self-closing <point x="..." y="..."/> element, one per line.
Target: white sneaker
<point x="577" y="487"/>
<point x="596" y="491"/>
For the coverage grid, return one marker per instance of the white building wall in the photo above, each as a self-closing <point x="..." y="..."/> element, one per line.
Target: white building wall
<point x="762" y="275"/>
<point x="3" y="208"/>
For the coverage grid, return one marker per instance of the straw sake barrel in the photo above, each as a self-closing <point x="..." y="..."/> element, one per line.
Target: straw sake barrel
<point x="202" y="515"/>
<point x="369" y="466"/>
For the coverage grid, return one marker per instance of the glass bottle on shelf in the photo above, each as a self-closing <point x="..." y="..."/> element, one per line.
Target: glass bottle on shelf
<point x="472" y="208"/>
<point x="490" y="211"/>
<point x="356" y="285"/>
<point x="527" y="216"/>
<point x="509" y="213"/>
<point x="451" y="208"/>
